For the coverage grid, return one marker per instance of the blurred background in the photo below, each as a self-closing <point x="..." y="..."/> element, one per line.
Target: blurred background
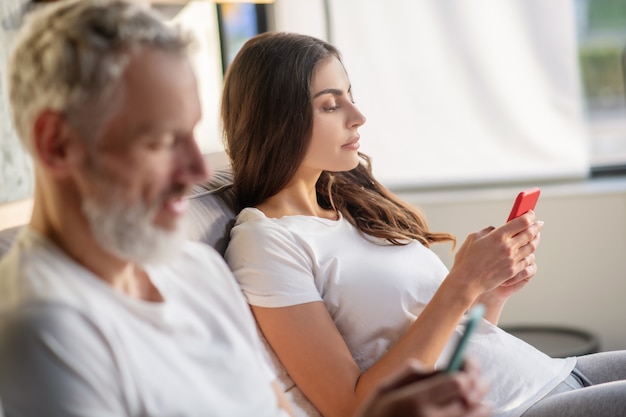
<point x="467" y="104"/>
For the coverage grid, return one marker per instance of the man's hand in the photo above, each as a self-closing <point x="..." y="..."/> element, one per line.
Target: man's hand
<point x="416" y="393"/>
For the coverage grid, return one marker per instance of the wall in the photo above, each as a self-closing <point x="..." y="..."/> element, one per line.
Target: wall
<point x="16" y="177"/>
<point x="581" y="281"/>
<point x="16" y="174"/>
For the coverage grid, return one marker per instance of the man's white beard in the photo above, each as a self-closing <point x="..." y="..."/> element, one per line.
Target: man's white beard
<point x="128" y="233"/>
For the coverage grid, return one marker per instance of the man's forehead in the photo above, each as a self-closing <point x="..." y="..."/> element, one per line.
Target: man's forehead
<point x="157" y="91"/>
<point x="149" y="67"/>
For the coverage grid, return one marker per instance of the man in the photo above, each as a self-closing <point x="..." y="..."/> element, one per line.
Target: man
<point x="106" y="310"/>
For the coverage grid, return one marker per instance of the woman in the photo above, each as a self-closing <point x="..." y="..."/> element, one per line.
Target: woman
<point x="338" y="270"/>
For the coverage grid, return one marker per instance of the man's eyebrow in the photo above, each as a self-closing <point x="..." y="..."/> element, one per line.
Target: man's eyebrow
<point x="333" y="91"/>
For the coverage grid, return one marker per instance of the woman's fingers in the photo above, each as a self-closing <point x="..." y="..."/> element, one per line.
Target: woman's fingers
<point x="492" y="256"/>
<point x="527" y="270"/>
<point x="530" y="246"/>
<point x="520" y="223"/>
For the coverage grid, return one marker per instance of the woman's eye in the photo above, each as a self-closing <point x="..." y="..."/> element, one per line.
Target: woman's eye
<point x="331" y="108"/>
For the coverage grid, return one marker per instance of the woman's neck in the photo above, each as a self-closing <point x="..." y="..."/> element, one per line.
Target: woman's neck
<point x="293" y="200"/>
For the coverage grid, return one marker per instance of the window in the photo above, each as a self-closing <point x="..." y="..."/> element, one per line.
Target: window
<point x="219" y="30"/>
<point x="601" y="27"/>
<point x="238" y="22"/>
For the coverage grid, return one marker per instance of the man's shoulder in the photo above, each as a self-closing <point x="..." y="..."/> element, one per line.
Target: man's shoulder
<point x="200" y="273"/>
<point x="197" y="254"/>
<point x="45" y="345"/>
<point x="34" y="269"/>
<point x="15" y="269"/>
<point x="33" y="315"/>
<point x="196" y="269"/>
<point x="41" y="323"/>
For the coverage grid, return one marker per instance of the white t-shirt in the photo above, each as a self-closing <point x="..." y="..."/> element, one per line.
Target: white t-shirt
<point x="374" y="291"/>
<point x="70" y="345"/>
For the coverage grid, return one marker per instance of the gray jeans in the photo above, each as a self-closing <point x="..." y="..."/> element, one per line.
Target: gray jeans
<point x="595" y="388"/>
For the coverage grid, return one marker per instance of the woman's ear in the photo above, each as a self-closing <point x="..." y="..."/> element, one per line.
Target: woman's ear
<point x="52" y="138"/>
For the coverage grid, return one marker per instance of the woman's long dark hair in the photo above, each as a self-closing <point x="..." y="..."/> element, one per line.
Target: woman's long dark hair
<point x="267" y="117"/>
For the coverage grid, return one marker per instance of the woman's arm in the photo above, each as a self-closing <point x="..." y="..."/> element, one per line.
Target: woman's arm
<point x="315" y="355"/>
<point x="307" y="342"/>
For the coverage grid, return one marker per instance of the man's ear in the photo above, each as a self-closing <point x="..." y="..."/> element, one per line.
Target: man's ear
<point x="52" y="140"/>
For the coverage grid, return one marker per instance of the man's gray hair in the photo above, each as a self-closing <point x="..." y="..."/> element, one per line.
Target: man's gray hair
<point x="70" y="54"/>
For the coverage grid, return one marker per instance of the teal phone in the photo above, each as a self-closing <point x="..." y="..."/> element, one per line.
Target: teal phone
<point x="456" y="361"/>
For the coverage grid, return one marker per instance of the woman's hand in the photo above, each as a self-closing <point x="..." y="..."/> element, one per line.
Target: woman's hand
<point x="495" y="299"/>
<point x="417" y="393"/>
<point x="496" y="262"/>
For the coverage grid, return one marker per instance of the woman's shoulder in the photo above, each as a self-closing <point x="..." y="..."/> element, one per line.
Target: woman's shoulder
<point x="253" y="225"/>
<point x="253" y="220"/>
<point x="257" y="237"/>
<point x="250" y="214"/>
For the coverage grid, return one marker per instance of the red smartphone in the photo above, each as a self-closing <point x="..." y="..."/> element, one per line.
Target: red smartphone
<point x="525" y="201"/>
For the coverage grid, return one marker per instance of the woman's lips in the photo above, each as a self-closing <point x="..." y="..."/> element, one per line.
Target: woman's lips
<point x="354" y="144"/>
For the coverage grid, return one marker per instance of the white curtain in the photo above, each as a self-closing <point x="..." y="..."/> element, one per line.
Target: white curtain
<point x="460" y="91"/>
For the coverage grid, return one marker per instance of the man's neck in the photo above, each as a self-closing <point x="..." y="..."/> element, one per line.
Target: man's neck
<point x="68" y="229"/>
